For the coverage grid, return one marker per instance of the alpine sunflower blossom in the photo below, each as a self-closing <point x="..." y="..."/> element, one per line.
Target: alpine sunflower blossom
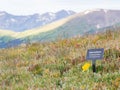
<point x="86" y="66"/>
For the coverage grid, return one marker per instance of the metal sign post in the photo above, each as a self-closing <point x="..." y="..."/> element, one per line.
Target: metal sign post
<point x="94" y="65"/>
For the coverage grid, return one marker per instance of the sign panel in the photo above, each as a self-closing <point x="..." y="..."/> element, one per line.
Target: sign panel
<point x="94" y="54"/>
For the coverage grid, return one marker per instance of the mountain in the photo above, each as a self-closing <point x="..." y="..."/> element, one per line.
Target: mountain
<point x="22" y="23"/>
<point x="87" y="22"/>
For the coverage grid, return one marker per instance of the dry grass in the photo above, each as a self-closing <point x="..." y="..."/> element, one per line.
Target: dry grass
<point x="58" y="65"/>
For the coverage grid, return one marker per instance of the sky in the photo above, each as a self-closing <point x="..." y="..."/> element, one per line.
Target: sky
<point x="28" y="7"/>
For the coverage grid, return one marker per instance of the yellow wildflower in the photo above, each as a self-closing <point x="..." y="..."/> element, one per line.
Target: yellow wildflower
<point x="86" y="66"/>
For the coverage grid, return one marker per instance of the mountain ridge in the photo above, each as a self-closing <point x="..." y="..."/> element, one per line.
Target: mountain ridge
<point x="22" y="23"/>
<point x="75" y="25"/>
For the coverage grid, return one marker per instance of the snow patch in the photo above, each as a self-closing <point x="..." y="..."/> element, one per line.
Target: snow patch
<point x="86" y="12"/>
<point x="98" y="26"/>
<point x="69" y="12"/>
<point x="13" y="20"/>
<point x="51" y="14"/>
<point x="105" y="10"/>
<point x="93" y="10"/>
<point x="47" y="17"/>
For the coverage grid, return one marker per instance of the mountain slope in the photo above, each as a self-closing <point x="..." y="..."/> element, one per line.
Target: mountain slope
<point x="22" y="23"/>
<point x="78" y="24"/>
<point x="90" y="21"/>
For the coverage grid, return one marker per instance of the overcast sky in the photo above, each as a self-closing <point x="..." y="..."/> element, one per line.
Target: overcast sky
<point x="26" y="7"/>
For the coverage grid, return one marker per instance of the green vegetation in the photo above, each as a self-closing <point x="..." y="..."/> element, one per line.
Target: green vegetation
<point x="58" y="65"/>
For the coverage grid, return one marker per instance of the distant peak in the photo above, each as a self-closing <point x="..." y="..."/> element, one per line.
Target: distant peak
<point x="62" y="10"/>
<point x="94" y="10"/>
<point x="103" y="10"/>
<point x="2" y="13"/>
<point x="36" y="14"/>
<point x="48" y="13"/>
<point x="70" y="12"/>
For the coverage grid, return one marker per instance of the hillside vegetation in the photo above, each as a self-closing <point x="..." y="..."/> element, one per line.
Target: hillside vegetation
<point x="58" y="65"/>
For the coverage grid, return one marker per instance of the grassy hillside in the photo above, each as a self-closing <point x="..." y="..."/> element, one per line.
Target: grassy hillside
<point x="58" y="65"/>
<point x="8" y="38"/>
<point x="7" y="33"/>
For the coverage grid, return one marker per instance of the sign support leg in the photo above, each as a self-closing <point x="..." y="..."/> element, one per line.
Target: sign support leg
<point x="94" y="66"/>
